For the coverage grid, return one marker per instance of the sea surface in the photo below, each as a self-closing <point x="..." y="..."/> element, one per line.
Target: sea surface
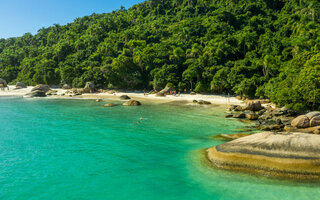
<point x="77" y="149"/>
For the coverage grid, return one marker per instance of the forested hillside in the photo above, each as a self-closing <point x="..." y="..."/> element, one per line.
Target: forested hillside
<point x="255" y="48"/>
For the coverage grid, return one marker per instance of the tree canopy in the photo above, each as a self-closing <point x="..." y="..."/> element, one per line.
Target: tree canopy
<point x="254" y="48"/>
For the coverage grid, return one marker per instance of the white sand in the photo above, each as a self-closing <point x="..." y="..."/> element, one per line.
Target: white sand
<point x="215" y="99"/>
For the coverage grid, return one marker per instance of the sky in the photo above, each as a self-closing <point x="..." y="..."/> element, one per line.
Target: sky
<point x="18" y="17"/>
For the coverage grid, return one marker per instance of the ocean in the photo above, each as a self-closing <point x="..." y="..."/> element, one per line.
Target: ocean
<point x="78" y="149"/>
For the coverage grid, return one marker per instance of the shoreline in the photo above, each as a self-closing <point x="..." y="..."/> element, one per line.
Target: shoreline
<point x="214" y="99"/>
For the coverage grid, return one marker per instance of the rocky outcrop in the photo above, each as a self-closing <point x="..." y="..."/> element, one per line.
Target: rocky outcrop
<point x="124" y="97"/>
<point x="132" y="103"/>
<point x="289" y="155"/>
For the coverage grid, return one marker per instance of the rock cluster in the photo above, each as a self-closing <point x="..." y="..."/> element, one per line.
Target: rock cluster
<point x="308" y="123"/>
<point x="266" y="118"/>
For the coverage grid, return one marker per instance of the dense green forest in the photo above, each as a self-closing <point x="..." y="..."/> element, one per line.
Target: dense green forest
<point x="254" y="48"/>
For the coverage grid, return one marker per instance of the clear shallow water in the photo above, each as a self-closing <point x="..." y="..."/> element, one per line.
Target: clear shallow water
<point x="76" y="149"/>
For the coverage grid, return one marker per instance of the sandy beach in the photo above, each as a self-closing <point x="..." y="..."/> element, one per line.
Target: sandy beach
<point x="214" y="99"/>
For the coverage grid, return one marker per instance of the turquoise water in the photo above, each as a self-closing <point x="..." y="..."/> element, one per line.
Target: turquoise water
<point x="77" y="149"/>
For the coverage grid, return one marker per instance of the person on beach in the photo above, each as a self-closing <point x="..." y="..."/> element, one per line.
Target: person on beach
<point x="144" y="92"/>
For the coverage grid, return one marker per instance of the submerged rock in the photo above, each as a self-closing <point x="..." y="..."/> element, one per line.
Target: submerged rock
<point x="290" y="155"/>
<point x="109" y="105"/>
<point x="240" y="115"/>
<point x="132" y="103"/>
<point x="202" y="102"/>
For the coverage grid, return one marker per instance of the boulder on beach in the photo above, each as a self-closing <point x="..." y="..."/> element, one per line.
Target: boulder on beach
<point x="288" y="155"/>
<point x="301" y="121"/>
<point x="253" y="106"/>
<point x="3" y="82"/>
<point x="89" y="87"/>
<point x="66" y="87"/>
<point x="132" y="103"/>
<point x="36" y="93"/>
<point x="313" y="114"/>
<point x="20" y="85"/>
<point x="51" y="92"/>
<point x="99" y="100"/>
<point x="124" y="97"/>
<point x="43" y="88"/>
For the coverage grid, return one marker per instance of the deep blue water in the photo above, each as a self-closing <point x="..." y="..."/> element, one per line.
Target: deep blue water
<point x="77" y="149"/>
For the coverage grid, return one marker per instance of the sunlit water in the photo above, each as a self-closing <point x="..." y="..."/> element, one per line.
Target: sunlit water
<point x="77" y="149"/>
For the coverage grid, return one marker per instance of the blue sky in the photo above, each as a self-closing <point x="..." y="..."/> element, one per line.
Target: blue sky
<point x="21" y="16"/>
